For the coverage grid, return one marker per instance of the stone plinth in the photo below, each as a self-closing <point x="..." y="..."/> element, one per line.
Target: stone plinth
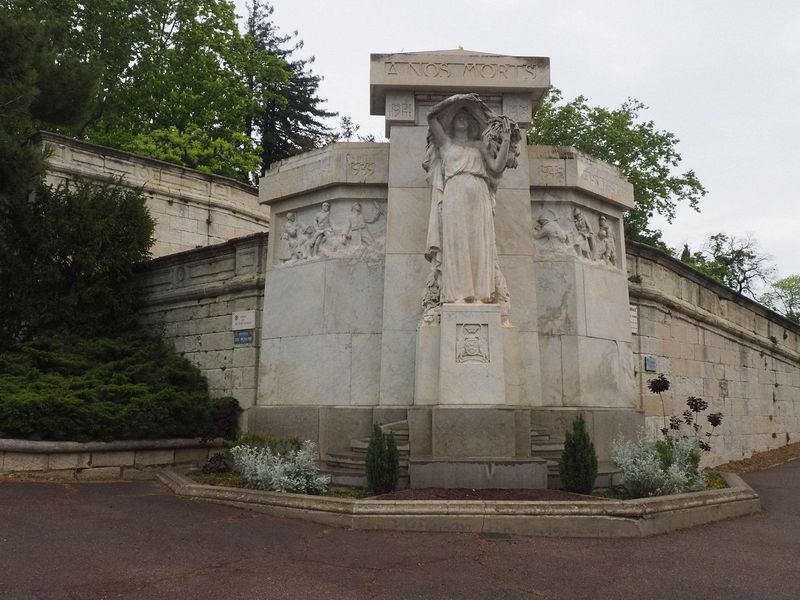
<point x="471" y="357"/>
<point x="469" y="473"/>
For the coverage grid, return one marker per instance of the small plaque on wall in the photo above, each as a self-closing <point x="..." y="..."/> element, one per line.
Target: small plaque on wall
<point x="243" y="336"/>
<point x="650" y="364"/>
<point x="243" y="319"/>
<point x="634" y="318"/>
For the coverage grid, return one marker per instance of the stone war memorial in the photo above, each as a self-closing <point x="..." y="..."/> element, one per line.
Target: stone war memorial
<point x="467" y="291"/>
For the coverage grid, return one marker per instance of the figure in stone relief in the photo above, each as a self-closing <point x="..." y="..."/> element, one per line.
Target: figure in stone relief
<point x="291" y="246"/>
<point x="321" y="229"/>
<point x="547" y="228"/>
<point x="469" y="148"/>
<point x="357" y="229"/>
<point x="584" y="236"/>
<point x="607" y="243"/>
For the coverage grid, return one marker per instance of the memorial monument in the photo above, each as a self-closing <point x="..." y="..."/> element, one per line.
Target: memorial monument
<point x="455" y="284"/>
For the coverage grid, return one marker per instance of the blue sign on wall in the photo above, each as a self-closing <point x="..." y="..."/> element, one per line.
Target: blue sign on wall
<point x="243" y="336"/>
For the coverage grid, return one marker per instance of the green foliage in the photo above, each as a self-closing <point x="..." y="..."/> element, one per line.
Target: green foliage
<point x="784" y="297"/>
<point x="734" y="261"/>
<point x="578" y="466"/>
<point x="288" y="112"/>
<point x="67" y="256"/>
<point x="279" y="446"/>
<point x="646" y="156"/>
<point x="39" y="88"/>
<point x="383" y="462"/>
<point x="173" y="76"/>
<point x="80" y="389"/>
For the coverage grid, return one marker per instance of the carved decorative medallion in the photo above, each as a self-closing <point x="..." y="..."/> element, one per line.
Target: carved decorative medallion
<point x="472" y="343"/>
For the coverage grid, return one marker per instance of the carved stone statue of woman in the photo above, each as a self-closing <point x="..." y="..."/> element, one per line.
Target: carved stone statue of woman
<point x="469" y="147"/>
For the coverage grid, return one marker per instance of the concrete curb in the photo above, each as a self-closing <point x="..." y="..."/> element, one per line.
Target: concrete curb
<point x="595" y="519"/>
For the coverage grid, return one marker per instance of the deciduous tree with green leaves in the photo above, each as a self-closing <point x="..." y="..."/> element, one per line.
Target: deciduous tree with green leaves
<point x="735" y="261"/>
<point x="784" y="297"/>
<point x="648" y="157"/>
<point x="174" y="77"/>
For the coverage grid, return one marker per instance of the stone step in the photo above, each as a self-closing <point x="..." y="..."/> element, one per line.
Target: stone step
<point x="354" y="461"/>
<point x="343" y="478"/>
<point x="547" y="447"/>
<point x="362" y="445"/>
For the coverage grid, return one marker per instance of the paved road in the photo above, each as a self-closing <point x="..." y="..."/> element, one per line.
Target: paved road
<point x="138" y="541"/>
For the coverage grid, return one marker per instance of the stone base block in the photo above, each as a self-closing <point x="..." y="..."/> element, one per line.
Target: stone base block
<point x="603" y="424"/>
<point x="471" y="355"/>
<point x="473" y="432"/>
<point x="478" y="473"/>
<point x="332" y="428"/>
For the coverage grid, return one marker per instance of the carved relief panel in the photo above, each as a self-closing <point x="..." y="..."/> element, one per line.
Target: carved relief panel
<point x="334" y="229"/>
<point x="472" y="343"/>
<point x="564" y="230"/>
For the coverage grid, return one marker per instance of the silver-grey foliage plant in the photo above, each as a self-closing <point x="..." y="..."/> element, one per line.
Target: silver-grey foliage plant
<point x="295" y="472"/>
<point x="650" y="472"/>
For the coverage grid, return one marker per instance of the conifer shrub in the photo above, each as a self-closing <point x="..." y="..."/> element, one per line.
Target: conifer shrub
<point x="103" y="389"/>
<point x="578" y="466"/>
<point x="383" y="462"/>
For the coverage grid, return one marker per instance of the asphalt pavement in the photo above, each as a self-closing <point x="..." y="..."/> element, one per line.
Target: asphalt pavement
<point x="135" y="540"/>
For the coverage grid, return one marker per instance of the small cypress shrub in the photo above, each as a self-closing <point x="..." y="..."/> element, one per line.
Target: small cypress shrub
<point x="578" y="466"/>
<point x="383" y="462"/>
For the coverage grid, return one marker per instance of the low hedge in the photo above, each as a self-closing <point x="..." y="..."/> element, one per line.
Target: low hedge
<point x="132" y="387"/>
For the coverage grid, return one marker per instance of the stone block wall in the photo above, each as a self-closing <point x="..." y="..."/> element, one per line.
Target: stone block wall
<point x="713" y="343"/>
<point x="192" y="209"/>
<point x="190" y="298"/>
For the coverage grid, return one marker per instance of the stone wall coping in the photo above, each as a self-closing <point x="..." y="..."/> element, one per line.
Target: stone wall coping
<point x="57" y="138"/>
<point x="724" y="292"/>
<point x="203" y="253"/>
<point x="341" y="163"/>
<point x="568" y="167"/>
<point x="603" y="518"/>
<point x="47" y="447"/>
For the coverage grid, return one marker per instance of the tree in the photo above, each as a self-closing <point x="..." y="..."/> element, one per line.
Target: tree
<point x="647" y="157"/>
<point x="39" y="87"/>
<point x="288" y="113"/>
<point x="784" y="297"/>
<point x="578" y="466"/>
<point x="383" y="462"/>
<point x="734" y="261"/>
<point x="173" y="81"/>
<point x="67" y="257"/>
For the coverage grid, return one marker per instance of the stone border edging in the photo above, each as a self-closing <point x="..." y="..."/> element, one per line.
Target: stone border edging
<point x="605" y="518"/>
<point x="15" y="445"/>
<point x="123" y="459"/>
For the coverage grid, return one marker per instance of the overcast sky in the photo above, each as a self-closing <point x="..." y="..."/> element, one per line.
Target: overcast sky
<point x="723" y="75"/>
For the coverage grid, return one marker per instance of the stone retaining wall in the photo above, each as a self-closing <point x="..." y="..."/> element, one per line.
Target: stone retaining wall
<point x="711" y="342"/>
<point x="100" y="460"/>
<point x="190" y="299"/>
<point x="191" y="208"/>
<point x="716" y="344"/>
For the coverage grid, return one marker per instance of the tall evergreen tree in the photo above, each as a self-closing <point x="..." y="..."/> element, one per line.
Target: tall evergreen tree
<point x="288" y="116"/>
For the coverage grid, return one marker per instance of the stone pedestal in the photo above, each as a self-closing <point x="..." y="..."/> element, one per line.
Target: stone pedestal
<point x="471" y="356"/>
